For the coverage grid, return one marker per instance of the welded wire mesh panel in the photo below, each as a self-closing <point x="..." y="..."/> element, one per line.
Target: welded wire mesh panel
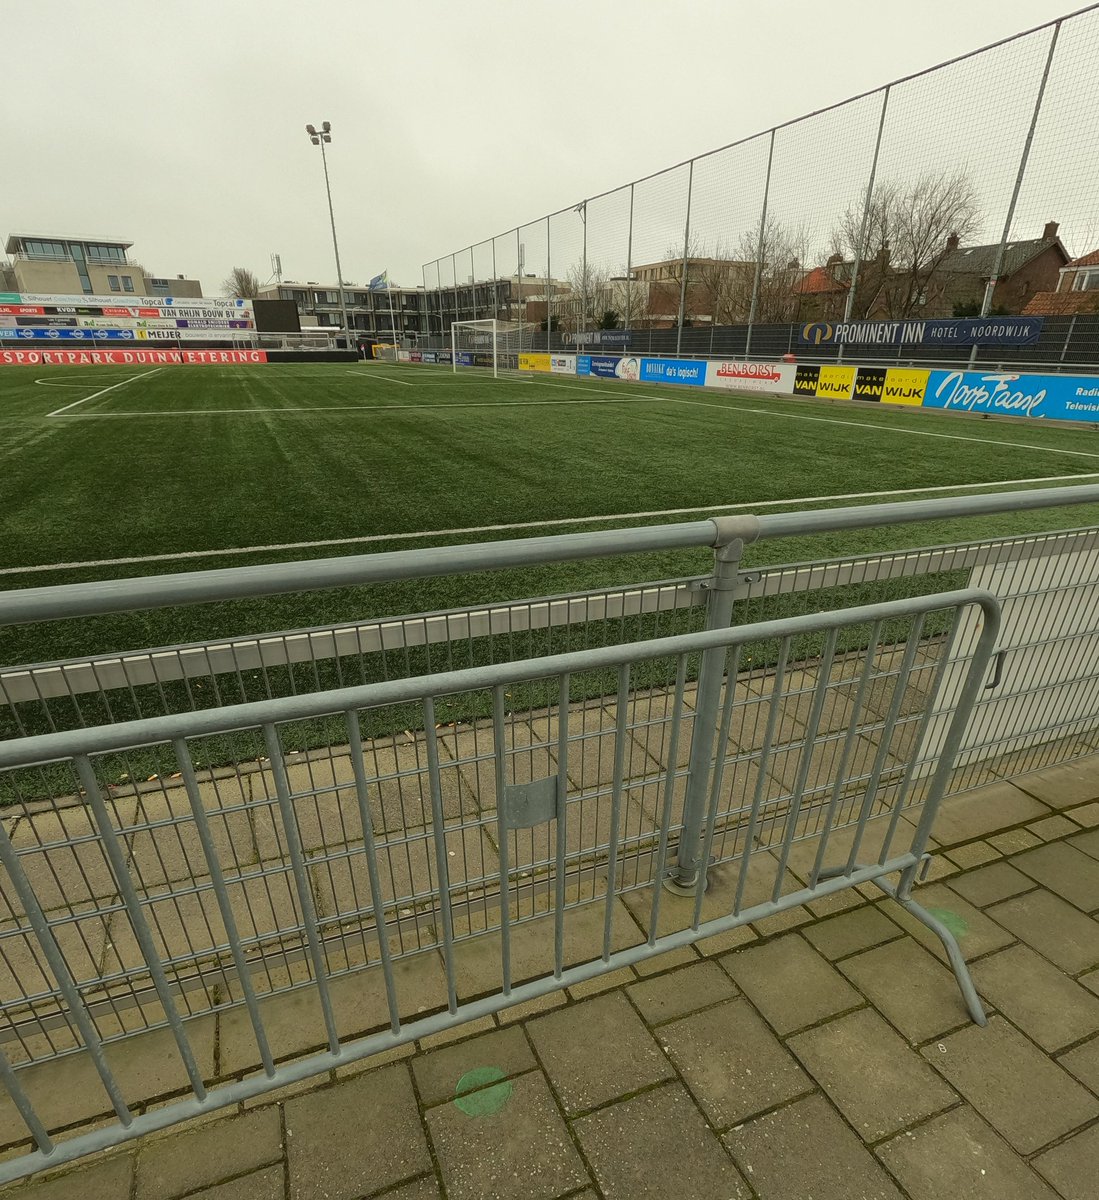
<point x="659" y="228"/>
<point x="611" y="294"/>
<point x="566" y="247"/>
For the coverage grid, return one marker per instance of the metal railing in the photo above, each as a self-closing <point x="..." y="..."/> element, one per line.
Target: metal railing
<point x="335" y="842"/>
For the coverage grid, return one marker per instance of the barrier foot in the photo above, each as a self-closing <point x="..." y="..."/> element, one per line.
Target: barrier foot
<point x="949" y="941"/>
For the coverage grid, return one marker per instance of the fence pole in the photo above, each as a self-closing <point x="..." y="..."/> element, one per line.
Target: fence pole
<point x="519" y="282"/>
<point x="993" y="279"/>
<point x="583" y="210"/>
<point x="473" y="282"/>
<point x="759" y="249"/>
<point x="1068" y="337"/>
<point x="629" y="266"/>
<point x="549" y="290"/>
<point x="856" y="265"/>
<point x="427" y="303"/>
<point x="686" y="249"/>
<point x="495" y="285"/>
<point x="683" y="878"/>
<point x="454" y="279"/>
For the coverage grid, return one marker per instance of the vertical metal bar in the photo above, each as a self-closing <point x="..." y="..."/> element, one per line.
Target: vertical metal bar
<point x="502" y="834"/>
<point x="358" y="767"/>
<point x="621" y="734"/>
<point x="495" y="285"/>
<point x="686" y="252"/>
<point x="990" y="286"/>
<point x="562" y="827"/>
<point x="23" y="1105"/>
<point x="584" y="270"/>
<point x="629" y="264"/>
<point x="669" y="796"/>
<point x="1068" y="337"/>
<point x="519" y="283"/>
<point x="549" y="288"/>
<point x="759" y="249"/>
<point x="473" y="282"/>
<point x="719" y="615"/>
<point x="454" y="277"/>
<point x="439" y="839"/>
<point x="301" y="880"/>
<point x="128" y="892"/>
<point x="217" y="877"/>
<point x="857" y="264"/>
<point x="811" y="728"/>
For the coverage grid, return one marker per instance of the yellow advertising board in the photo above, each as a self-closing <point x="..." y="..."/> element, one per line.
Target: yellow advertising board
<point x="904" y="385"/>
<point x="534" y="362"/>
<point x="836" y="383"/>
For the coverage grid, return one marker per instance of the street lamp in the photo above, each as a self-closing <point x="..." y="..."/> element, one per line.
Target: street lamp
<point x="320" y="138"/>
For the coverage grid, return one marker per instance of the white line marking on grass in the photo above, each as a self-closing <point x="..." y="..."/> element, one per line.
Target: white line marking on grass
<point x="50" y="383"/>
<point x="103" y="391"/>
<point x="387" y="378"/>
<point x="372" y="408"/>
<point x="543" y="524"/>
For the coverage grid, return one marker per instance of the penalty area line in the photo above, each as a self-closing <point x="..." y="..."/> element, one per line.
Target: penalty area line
<point x="551" y="523"/>
<point x="102" y="392"/>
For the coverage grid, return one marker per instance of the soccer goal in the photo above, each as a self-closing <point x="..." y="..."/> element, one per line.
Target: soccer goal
<point x="476" y="344"/>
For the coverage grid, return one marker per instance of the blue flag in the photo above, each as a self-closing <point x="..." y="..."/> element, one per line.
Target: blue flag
<point x="379" y="282"/>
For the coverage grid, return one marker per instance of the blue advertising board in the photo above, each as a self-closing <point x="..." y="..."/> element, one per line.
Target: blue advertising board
<point x="1056" y="397"/>
<point x="603" y="365"/>
<point x="429" y="356"/>
<point x="465" y="358"/>
<point x="964" y="331"/>
<point x="71" y="335"/>
<point x="691" y="372"/>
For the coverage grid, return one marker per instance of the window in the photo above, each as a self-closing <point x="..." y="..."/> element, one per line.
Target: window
<point x="127" y="283"/>
<point x="105" y="253"/>
<point x="112" y="283"/>
<point x="1086" y="281"/>
<point x="37" y="249"/>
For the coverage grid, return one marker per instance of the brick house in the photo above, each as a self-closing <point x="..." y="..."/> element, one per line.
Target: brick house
<point x="1077" y="290"/>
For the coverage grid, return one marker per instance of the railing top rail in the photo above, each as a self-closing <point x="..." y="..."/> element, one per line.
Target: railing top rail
<point x="51" y="747"/>
<point x="21" y="606"/>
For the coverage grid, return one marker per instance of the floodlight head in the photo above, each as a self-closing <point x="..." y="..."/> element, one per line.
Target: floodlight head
<point x="315" y="140"/>
<point x="326" y="137"/>
<point x="310" y="130"/>
<point x="326" y="126"/>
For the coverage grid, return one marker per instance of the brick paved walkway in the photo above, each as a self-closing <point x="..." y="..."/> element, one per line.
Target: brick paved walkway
<point x="827" y="1055"/>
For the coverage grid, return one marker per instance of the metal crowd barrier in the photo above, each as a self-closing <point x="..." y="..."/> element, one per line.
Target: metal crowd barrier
<point x="356" y="878"/>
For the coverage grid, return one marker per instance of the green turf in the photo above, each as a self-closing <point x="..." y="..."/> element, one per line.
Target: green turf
<point x="190" y="459"/>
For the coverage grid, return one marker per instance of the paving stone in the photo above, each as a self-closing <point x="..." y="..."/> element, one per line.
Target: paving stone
<point x="1087" y="815"/>
<point x="108" y="1180"/>
<point x="977" y="814"/>
<point x="1062" y="933"/>
<point x="680" y="957"/>
<point x="1083" y="1062"/>
<point x="973" y="854"/>
<point x="1014" y="840"/>
<point x="437" y="1073"/>
<point x="975" y="932"/>
<point x="790" y="983"/>
<point x="681" y="992"/>
<point x="457" y="1033"/>
<point x="732" y="1062"/>
<point x="871" y="1074"/>
<point x="1072" y="1166"/>
<point x="597" y="1050"/>
<point x="356" y="1137"/>
<point x="260" y="1185"/>
<point x="990" y="884"/>
<point x="1088" y="842"/>
<point x="1012" y="1084"/>
<point x="531" y="1008"/>
<point x="909" y="987"/>
<point x="805" y="1150"/>
<point x="957" y="1154"/>
<point x="1049" y="829"/>
<point x="1064" y="786"/>
<point x="169" y="1167"/>
<point x="851" y="932"/>
<point x="422" y="1189"/>
<point x="1065" y="870"/>
<point x="602" y="983"/>
<point x="1042" y="1000"/>
<point x="515" y="1147"/>
<point x="1090" y="981"/>
<point x="633" y="1146"/>
<point x="68" y="1090"/>
<point x="731" y="939"/>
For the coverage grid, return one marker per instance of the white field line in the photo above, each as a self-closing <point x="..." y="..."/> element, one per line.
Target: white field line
<point x="51" y="383"/>
<point x="734" y="409"/>
<point x="371" y="408"/>
<point x="366" y="539"/>
<point x="103" y="391"/>
<point x="387" y="378"/>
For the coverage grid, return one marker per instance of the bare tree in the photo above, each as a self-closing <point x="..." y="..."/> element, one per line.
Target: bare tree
<point x="241" y="284"/>
<point x="588" y="296"/>
<point x="777" y="259"/>
<point x="909" y="232"/>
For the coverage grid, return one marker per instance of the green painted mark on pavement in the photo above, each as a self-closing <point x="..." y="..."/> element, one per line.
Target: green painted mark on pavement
<point x="476" y="1099"/>
<point x="957" y="925"/>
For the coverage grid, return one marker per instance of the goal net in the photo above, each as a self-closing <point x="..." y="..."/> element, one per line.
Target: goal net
<point x="479" y="344"/>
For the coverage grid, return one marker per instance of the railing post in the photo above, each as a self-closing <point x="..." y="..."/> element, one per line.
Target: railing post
<point x="683" y="878"/>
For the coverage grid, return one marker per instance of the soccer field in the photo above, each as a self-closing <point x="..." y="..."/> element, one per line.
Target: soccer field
<point x="110" y="472"/>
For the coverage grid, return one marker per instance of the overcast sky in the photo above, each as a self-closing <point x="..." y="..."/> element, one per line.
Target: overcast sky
<point x="181" y="125"/>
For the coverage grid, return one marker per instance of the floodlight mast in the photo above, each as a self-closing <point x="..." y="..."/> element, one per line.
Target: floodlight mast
<point x="320" y="138"/>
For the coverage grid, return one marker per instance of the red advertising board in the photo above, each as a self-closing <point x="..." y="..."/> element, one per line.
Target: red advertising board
<point x="137" y="358"/>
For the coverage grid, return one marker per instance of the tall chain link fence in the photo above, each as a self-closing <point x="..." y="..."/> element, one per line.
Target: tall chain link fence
<point x="962" y="190"/>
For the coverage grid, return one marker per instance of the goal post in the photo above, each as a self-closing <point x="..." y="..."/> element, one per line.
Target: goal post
<point x="470" y="339"/>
